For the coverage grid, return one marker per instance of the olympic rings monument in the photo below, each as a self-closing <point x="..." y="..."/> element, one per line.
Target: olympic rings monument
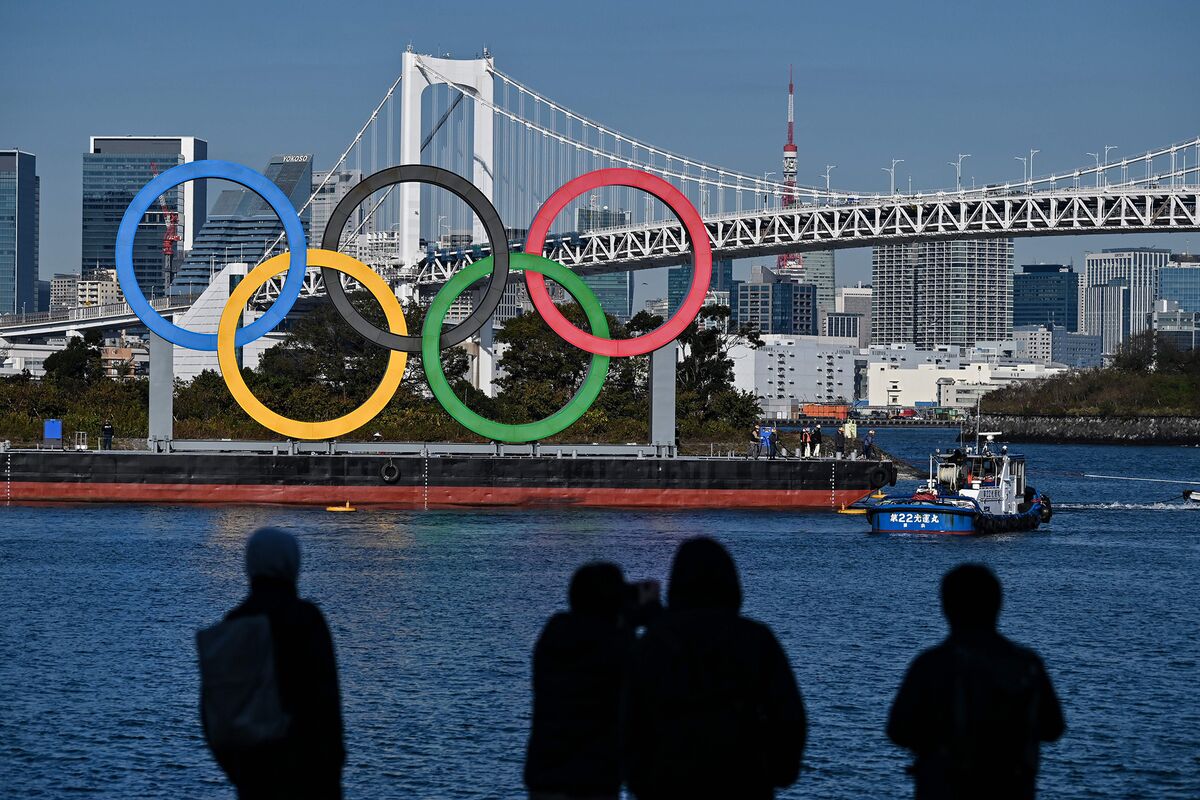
<point x="314" y="467"/>
<point x="293" y="264"/>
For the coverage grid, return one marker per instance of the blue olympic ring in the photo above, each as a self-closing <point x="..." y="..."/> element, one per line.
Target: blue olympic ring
<point x="255" y="182"/>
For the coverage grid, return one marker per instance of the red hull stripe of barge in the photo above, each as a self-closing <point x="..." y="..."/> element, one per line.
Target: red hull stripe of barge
<point x="434" y="496"/>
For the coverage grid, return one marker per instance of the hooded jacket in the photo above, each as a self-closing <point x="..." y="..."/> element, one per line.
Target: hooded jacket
<point x="712" y="709"/>
<point x="308" y="763"/>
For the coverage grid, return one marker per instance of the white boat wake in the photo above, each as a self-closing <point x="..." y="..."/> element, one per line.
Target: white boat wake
<point x="1159" y="506"/>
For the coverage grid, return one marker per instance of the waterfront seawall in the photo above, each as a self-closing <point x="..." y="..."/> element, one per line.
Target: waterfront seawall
<point x="1095" y="430"/>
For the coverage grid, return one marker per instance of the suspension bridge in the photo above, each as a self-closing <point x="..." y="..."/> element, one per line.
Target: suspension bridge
<point x="518" y="145"/>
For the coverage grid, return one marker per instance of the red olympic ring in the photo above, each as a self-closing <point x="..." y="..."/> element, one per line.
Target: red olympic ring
<point x="701" y="273"/>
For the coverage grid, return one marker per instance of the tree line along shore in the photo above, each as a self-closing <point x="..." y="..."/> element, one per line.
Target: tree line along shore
<point x="1150" y="393"/>
<point x="323" y="370"/>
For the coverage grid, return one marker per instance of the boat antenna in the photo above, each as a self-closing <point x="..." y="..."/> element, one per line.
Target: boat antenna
<point x="978" y="419"/>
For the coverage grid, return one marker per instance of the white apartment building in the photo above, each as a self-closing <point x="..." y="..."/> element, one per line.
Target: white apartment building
<point x="99" y="288"/>
<point x="906" y="378"/>
<point x="789" y="371"/>
<point x="64" y="291"/>
<point x="942" y="293"/>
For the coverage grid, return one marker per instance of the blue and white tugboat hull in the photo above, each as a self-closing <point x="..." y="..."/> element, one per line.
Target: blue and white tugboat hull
<point x="922" y="518"/>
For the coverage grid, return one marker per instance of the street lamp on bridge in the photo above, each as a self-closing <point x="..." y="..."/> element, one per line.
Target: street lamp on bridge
<point x="766" y="193"/>
<point x="1107" y="147"/>
<point x="958" y="170"/>
<point x="1032" y="153"/>
<point x="1024" y="168"/>
<point x="1097" y="157"/>
<point x="828" y="169"/>
<point x="891" y="171"/>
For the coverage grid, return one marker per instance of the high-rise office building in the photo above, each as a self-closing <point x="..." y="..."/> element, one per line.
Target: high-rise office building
<point x="114" y="170"/>
<point x="773" y="304"/>
<point x="817" y="268"/>
<point x="1139" y="267"/>
<point x="1046" y="294"/>
<point x="1108" y="312"/>
<point x="242" y="226"/>
<point x="20" y="195"/>
<point x="1179" y="280"/>
<point x="1175" y="325"/>
<point x="855" y="300"/>
<point x="327" y="194"/>
<point x="614" y="290"/>
<point x="942" y="293"/>
<point x="679" y="280"/>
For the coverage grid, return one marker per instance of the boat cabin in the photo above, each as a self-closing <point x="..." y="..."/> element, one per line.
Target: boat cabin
<point x="992" y="477"/>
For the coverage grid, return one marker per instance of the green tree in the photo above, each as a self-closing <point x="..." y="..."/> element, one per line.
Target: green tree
<point x="78" y="362"/>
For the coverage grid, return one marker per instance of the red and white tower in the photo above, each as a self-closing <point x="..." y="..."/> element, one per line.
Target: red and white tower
<point x="791" y="264"/>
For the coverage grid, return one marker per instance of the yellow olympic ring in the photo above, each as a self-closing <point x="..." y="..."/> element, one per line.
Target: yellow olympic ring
<point x="295" y="429"/>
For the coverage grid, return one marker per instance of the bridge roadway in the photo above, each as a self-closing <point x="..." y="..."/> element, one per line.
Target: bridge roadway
<point x="875" y="221"/>
<point x="105" y="317"/>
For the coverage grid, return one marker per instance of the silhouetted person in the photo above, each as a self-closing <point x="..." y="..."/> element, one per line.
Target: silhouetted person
<point x="106" y="435"/>
<point x="975" y="708"/>
<point x="773" y="441"/>
<point x="839" y="442"/>
<point x="284" y="737"/>
<point x="816" y="441"/>
<point x="755" y="442"/>
<point x="712" y="709"/>
<point x="579" y="665"/>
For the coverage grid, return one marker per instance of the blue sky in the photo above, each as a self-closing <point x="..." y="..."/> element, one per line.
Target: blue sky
<point x="921" y="82"/>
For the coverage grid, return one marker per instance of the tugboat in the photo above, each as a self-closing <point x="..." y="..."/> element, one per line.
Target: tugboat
<point x="969" y="492"/>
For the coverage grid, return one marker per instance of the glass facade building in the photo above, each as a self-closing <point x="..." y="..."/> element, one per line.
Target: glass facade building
<point x="1046" y="294"/>
<point x="774" y="305"/>
<point x="115" y="169"/>
<point x="614" y="290"/>
<point x="241" y="226"/>
<point x="679" y="280"/>
<point x="19" y="223"/>
<point x="1179" y="280"/>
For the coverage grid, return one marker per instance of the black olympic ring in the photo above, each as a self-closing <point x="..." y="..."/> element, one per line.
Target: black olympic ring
<point x="474" y="198"/>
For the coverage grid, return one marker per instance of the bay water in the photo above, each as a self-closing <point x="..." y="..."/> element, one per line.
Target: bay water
<point x="434" y="615"/>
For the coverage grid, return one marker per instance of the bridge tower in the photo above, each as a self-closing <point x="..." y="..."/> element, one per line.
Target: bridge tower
<point x="472" y="77"/>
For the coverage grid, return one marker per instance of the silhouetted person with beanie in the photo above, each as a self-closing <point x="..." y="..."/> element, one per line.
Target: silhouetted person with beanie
<point x="975" y="709"/>
<point x="293" y="719"/>
<point x="579" y="665"/>
<point x="712" y="709"/>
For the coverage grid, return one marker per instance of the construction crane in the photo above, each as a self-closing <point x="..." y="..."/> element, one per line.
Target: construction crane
<point x="170" y="220"/>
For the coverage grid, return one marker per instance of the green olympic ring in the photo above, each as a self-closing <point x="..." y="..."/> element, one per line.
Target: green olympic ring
<point x="431" y="355"/>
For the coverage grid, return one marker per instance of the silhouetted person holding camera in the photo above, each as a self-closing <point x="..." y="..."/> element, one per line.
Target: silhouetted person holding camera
<point x="975" y="708"/>
<point x="712" y="709"/>
<point x="579" y="665"/>
<point x="269" y="688"/>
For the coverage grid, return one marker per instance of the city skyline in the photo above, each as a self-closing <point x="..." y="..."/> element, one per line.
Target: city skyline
<point x="1009" y="112"/>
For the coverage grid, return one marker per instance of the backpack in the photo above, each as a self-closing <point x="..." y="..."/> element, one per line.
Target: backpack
<point x="239" y="691"/>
